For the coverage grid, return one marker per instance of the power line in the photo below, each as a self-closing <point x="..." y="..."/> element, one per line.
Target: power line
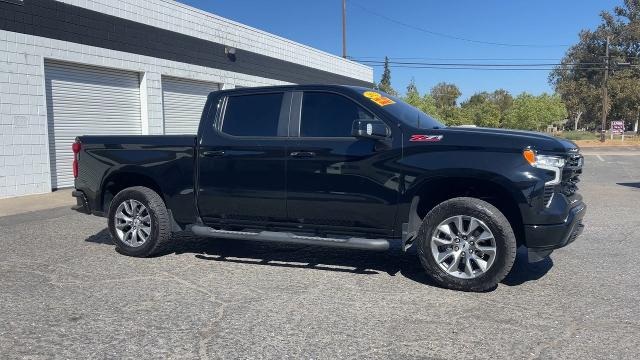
<point x="436" y="33"/>
<point x="381" y="58"/>
<point x="370" y="62"/>
<point x="481" y="68"/>
<point x="484" y="66"/>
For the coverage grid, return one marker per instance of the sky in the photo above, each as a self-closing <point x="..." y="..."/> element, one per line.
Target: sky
<point x="403" y="30"/>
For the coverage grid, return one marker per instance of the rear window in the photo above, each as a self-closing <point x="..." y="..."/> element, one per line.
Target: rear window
<point x="252" y="115"/>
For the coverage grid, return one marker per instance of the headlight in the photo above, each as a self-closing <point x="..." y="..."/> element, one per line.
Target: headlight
<point x="546" y="162"/>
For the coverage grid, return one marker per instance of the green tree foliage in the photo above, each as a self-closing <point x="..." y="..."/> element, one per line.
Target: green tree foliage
<point x="531" y="112"/>
<point x="482" y="113"/>
<point x="486" y="109"/>
<point x="412" y="89"/>
<point x="425" y="103"/>
<point x="385" y="81"/>
<point x="503" y="100"/>
<point x="579" y="78"/>
<point x="446" y="95"/>
<point x="477" y="98"/>
<point x="489" y="109"/>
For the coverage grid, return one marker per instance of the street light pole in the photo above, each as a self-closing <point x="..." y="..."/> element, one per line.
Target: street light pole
<point x="344" y="29"/>
<point x="605" y="93"/>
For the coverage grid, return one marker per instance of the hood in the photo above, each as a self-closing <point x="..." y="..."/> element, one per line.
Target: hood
<point x="512" y="138"/>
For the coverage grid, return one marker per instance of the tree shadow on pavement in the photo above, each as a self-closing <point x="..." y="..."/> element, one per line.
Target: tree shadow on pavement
<point x="257" y="253"/>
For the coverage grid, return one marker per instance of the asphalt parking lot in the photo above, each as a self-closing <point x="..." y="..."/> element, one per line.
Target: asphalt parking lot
<point x="66" y="293"/>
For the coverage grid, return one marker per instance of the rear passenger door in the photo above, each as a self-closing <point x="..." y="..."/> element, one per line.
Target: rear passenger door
<point x="334" y="180"/>
<point x="242" y="159"/>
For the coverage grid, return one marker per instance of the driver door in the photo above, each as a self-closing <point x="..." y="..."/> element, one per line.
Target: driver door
<point x="336" y="181"/>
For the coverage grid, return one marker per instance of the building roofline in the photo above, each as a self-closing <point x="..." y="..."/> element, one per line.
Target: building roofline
<point x="262" y="32"/>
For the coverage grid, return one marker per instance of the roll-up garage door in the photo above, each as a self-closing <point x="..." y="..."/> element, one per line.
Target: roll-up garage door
<point x="183" y="101"/>
<point x="84" y="100"/>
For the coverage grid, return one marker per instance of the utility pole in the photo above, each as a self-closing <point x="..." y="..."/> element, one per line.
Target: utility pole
<point x="344" y="29"/>
<point x="605" y="92"/>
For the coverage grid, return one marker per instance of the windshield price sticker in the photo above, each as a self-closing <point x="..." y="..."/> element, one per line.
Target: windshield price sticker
<point x="378" y="98"/>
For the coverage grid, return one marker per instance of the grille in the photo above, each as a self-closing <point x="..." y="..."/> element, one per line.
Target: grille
<point x="571" y="174"/>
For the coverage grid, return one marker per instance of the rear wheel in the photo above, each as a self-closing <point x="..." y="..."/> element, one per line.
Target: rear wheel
<point x="466" y="244"/>
<point x="139" y="222"/>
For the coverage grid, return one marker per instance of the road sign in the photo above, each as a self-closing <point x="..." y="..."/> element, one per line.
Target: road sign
<point x="617" y="127"/>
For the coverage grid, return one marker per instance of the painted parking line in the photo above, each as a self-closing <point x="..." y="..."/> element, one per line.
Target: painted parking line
<point x="612" y="154"/>
<point x="599" y="157"/>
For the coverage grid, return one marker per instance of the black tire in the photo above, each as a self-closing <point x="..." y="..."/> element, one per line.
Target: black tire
<point x="505" y="243"/>
<point x="160" y="223"/>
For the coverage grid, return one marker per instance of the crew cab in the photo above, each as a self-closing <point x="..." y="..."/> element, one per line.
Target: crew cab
<point x="344" y="167"/>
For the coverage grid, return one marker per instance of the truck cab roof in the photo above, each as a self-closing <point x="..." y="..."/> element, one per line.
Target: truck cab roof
<point x="331" y="87"/>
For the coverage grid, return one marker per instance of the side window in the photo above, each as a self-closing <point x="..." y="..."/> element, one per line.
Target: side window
<point x="252" y="115"/>
<point x="329" y="115"/>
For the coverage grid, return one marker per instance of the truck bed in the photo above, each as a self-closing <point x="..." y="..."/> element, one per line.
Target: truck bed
<point x="162" y="162"/>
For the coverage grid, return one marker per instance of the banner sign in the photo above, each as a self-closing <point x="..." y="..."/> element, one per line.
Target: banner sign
<point x="617" y="127"/>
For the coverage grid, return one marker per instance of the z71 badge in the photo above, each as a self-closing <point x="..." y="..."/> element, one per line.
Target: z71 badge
<point x="427" y="138"/>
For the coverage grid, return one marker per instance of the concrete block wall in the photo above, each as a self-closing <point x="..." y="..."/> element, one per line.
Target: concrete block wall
<point x="24" y="152"/>
<point x="24" y="164"/>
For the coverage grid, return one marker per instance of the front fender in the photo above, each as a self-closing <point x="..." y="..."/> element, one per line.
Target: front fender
<point x="433" y="169"/>
<point x="506" y="169"/>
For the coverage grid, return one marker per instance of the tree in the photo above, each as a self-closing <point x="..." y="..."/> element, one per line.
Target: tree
<point x="481" y="113"/>
<point x="412" y="89"/>
<point x="446" y="95"/>
<point x="531" y="112"/>
<point x="385" y="81"/>
<point x="486" y="109"/>
<point x="579" y="97"/>
<point x="453" y="116"/>
<point x="476" y="99"/>
<point x="579" y="78"/>
<point x="502" y="99"/>
<point x="425" y="103"/>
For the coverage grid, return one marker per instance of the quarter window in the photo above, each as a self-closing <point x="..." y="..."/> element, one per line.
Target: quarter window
<point x="252" y="115"/>
<point x="329" y="115"/>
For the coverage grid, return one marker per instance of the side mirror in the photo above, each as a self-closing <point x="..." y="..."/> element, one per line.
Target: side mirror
<point x="370" y="129"/>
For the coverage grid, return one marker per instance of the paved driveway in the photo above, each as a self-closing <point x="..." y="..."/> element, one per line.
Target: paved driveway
<point x="66" y="293"/>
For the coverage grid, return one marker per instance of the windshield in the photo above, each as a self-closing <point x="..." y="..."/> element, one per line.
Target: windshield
<point x="411" y="116"/>
<point x="402" y="111"/>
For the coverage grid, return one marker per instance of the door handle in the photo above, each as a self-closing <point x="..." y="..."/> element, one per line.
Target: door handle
<point x="213" y="153"/>
<point x="303" y="154"/>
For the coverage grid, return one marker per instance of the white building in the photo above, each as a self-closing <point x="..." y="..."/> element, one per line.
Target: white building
<point x="81" y="67"/>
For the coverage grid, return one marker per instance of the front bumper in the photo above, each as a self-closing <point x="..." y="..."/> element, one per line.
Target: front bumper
<point x="549" y="237"/>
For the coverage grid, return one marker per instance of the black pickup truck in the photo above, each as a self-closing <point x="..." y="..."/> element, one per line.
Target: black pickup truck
<point x="344" y="167"/>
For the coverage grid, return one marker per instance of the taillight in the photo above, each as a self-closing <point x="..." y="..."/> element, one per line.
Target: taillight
<point x="76" y="149"/>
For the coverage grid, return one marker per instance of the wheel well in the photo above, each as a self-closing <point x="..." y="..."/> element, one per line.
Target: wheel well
<point x="120" y="181"/>
<point x="436" y="192"/>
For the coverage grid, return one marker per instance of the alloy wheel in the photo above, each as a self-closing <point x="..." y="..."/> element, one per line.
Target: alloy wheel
<point x="133" y="223"/>
<point x="463" y="246"/>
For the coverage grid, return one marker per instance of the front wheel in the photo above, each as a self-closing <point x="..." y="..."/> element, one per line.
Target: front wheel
<point x="139" y="222"/>
<point x="466" y="244"/>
